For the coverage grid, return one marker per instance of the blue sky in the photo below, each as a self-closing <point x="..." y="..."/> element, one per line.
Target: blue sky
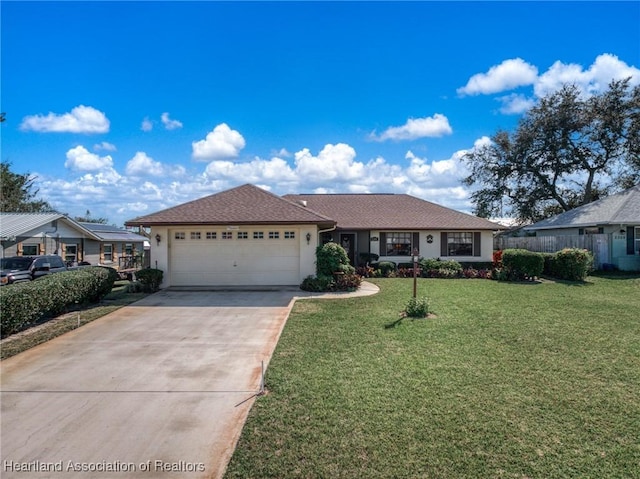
<point x="126" y="108"/>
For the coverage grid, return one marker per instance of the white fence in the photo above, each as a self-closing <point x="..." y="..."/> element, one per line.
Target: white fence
<point x="598" y="244"/>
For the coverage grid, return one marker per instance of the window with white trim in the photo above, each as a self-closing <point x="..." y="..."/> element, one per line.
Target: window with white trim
<point x="195" y="235"/>
<point x="289" y="235"/>
<point x="107" y="252"/>
<point x="398" y="243"/>
<point x="274" y="235"/>
<point x="211" y="235"/>
<point x="243" y="235"/>
<point x="258" y="235"/>
<point x="460" y="243"/>
<point x="179" y="235"/>
<point x="227" y="235"/>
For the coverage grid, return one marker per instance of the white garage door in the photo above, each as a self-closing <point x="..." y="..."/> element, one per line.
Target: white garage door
<point x="240" y="257"/>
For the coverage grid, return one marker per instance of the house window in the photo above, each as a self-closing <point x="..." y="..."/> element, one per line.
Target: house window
<point x="243" y="235"/>
<point x="29" y="250"/>
<point x="289" y="235"/>
<point x="258" y="235"/>
<point x="274" y="235"/>
<point x="459" y="244"/>
<point x="637" y="237"/>
<point x="179" y="235"/>
<point x="398" y="243"/>
<point x="211" y="235"/>
<point x="128" y="249"/>
<point x="195" y="235"/>
<point x="227" y="235"/>
<point x="71" y="253"/>
<point x="107" y="250"/>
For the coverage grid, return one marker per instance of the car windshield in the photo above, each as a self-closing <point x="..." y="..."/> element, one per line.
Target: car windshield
<point x="15" y="263"/>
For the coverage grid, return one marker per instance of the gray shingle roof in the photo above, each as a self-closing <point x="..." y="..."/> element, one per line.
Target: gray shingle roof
<point x="246" y="204"/>
<point x="391" y="212"/>
<point x="621" y="208"/>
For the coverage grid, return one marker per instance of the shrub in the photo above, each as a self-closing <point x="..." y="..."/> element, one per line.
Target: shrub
<point x="365" y="271"/>
<point x="470" y="273"/>
<point x="25" y="303"/>
<point x="347" y="282"/>
<point x="436" y="264"/>
<point x="317" y="283"/>
<point x="497" y="259"/>
<point x="522" y="264"/>
<point x="367" y="258"/>
<point x="417" y="308"/>
<point x="404" y="272"/>
<point x="150" y="278"/>
<point x="332" y="258"/>
<point x="385" y="268"/>
<point x="572" y="264"/>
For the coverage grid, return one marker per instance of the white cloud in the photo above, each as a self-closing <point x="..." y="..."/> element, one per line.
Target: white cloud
<point x="515" y="104"/>
<point x="146" y="125"/>
<point x="170" y="124"/>
<point x="334" y="169"/>
<point x="80" y="159"/>
<point x="435" y="126"/>
<point x="143" y="165"/>
<point x="221" y="143"/>
<point x="82" y="119"/>
<point x="508" y="75"/>
<point x="334" y="162"/>
<point x="257" y="170"/>
<point x="595" y="79"/>
<point x="105" y="145"/>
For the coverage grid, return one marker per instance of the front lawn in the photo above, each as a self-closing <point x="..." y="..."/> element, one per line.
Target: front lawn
<point x="507" y="380"/>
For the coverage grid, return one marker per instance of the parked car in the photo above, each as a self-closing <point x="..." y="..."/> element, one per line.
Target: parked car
<point x="18" y="269"/>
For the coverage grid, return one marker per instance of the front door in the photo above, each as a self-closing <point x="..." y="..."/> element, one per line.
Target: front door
<point x="348" y="242"/>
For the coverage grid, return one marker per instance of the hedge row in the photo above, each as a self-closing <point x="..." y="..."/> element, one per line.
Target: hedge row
<point x="23" y="304"/>
<point x="572" y="264"/>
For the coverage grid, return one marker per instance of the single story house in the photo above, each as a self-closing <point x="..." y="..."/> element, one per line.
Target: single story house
<point x="249" y="236"/>
<point x="31" y="234"/>
<point x="616" y="216"/>
<point x="392" y="226"/>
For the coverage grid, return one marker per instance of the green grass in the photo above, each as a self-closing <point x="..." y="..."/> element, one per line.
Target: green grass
<point x="54" y="327"/>
<point x="508" y="380"/>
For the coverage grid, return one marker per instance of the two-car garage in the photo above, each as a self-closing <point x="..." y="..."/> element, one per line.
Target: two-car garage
<point x="245" y="236"/>
<point x="234" y="256"/>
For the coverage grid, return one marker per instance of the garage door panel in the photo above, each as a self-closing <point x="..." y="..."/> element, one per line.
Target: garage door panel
<point x="235" y="262"/>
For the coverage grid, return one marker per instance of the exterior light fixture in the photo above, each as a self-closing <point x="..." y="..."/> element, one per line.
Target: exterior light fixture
<point x="158" y="238"/>
<point x="429" y="239"/>
<point x="308" y="238"/>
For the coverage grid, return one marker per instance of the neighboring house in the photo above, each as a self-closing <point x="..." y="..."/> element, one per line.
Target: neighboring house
<point x="249" y="236"/>
<point x="30" y="234"/>
<point x="617" y="216"/>
<point x="117" y="246"/>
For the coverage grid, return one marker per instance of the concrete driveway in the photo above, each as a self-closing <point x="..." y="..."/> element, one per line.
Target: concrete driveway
<point x="151" y="390"/>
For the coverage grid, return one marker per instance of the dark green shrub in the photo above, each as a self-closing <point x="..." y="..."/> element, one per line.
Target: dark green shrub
<point x="522" y="264"/>
<point x="318" y="283"/>
<point x="150" y="278"/>
<point x="417" y="308"/>
<point x="367" y="258"/>
<point x="332" y="258"/>
<point x="385" y="268"/>
<point x="25" y="303"/>
<point x="572" y="264"/>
